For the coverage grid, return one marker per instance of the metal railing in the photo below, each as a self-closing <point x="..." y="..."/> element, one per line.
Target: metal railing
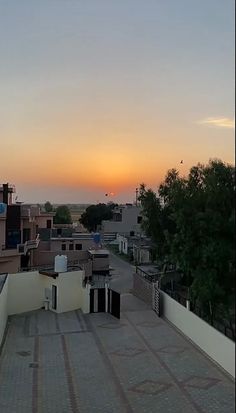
<point x="181" y="293"/>
<point x="152" y="278"/>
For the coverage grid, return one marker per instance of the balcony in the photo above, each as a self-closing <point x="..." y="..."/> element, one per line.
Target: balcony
<point x="28" y="245"/>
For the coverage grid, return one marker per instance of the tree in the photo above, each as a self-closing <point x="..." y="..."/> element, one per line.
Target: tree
<point x="48" y="207"/>
<point x="193" y="219"/>
<point x="152" y="222"/>
<point x="62" y="215"/>
<point x="95" y="214"/>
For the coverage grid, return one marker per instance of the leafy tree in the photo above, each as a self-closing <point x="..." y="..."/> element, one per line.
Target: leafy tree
<point x="95" y="214"/>
<point x="191" y="220"/>
<point x="62" y="215"/>
<point x="152" y="222"/>
<point x="48" y="207"/>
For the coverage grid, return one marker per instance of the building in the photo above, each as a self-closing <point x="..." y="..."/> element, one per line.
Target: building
<point x="137" y="247"/>
<point x="19" y="227"/>
<point x="126" y="219"/>
<point x="64" y="241"/>
<point x="60" y="288"/>
<point x="29" y="241"/>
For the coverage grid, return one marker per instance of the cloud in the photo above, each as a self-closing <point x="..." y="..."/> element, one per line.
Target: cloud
<point x="219" y="122"/>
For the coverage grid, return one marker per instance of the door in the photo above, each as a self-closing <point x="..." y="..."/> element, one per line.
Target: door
<point x="54" y="297"/>
<point x="97" y="300"/>
<point x="114" y="303"/>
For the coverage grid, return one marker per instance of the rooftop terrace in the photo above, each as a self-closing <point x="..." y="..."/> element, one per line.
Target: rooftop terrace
<point x="94" y="363"/>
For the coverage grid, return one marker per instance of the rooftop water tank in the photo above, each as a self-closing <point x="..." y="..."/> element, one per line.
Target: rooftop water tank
<point x="97" y="237"/>
<point x="60" y="263"/>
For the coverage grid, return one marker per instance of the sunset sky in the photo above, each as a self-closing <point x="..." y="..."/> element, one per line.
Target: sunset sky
<point x="98" y="96"/>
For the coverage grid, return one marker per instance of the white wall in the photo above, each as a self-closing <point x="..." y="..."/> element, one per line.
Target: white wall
<point x="86" y="299"/>
<point x="3" y="309"/>
<point x="219" y="347"/>
<point x="25" y="292"/>
<point x="129" y="221"/>
<point x="123" y="244"/>
<point x="69" y="287"/>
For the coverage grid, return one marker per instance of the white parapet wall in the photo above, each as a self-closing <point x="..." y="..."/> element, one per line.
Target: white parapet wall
<point x="69" y="290"/>
<point x="86" y="299"/>
<point x="219" y="347"/>
<point x="3" y="309"/>
<point x="25" y="292"/>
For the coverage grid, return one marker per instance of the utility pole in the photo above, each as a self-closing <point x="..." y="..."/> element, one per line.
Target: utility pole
<point x="136" y="197"/>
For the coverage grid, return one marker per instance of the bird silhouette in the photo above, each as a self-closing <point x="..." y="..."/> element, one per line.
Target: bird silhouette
<point x="182" y="161"/>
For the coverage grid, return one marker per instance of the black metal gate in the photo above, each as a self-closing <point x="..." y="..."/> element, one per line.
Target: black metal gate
<point x="114" y="303"/>
<point x="97" y="300"/>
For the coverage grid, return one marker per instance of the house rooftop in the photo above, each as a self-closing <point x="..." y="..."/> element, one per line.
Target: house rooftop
<point x="62" y="363"/>
<point x="50" y="272"/>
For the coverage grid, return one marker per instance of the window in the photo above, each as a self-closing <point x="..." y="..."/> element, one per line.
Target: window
<point x="59" y="231"/>
<point x="131" y="233"/>
<point x="139" y="220"/>
<point x="63" y="247"/>
<point x="78" y="247"/>
<point x="71" y="247"/>
<point x="49" y="223"/>
<point x="13" y="238"/>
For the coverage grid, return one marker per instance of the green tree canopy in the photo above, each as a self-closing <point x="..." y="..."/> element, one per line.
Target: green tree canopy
<point x="95" y="214"/>
<point x="191" y="221"/>
<point x="48" y="207"/>
<point x="62" y="215"/>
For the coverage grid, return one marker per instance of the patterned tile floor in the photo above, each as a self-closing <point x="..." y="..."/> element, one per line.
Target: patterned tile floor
<point x="95" y="363"/>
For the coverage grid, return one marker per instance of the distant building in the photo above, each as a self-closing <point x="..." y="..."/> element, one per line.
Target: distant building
<point x="29" y="240"/>
<point x="138" y="247"/>
<point x="19" y="225"/>
<point x="126" y="220"/>
<point x="62" y="241"/>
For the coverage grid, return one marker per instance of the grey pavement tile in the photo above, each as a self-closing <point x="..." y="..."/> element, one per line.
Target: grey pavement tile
<point x="136" y="364"/>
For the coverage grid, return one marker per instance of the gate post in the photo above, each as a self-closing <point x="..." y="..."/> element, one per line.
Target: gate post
<point x="106" y="297"/>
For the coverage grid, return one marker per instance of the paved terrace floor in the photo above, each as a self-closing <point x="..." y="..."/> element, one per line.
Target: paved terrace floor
<point x="94" y="363"/>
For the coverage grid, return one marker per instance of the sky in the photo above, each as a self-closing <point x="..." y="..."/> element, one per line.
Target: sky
<point x="98" y="96"/>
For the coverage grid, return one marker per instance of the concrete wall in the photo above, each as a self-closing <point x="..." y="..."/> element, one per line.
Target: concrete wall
<point x="141" y="255"/>
<point x="3" y="309"/>
<point x="86" y="299"/>
<point x="219" y="347"/>
<point x="69" y="288"/>
<point x="123" y="244"/>
<point x="142" y="288"/>
<point x="129" y="221"/>
<point x="44" y="257"/>
<point x="100" y="263"/>
<point x="11" y="263"/>
<point x="55" y="245"/>
<point x="25" y="292"/>
<point x="41" y="220"/>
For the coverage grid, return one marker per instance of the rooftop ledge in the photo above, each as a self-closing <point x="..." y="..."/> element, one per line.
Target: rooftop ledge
<point x="51" y="273"/>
